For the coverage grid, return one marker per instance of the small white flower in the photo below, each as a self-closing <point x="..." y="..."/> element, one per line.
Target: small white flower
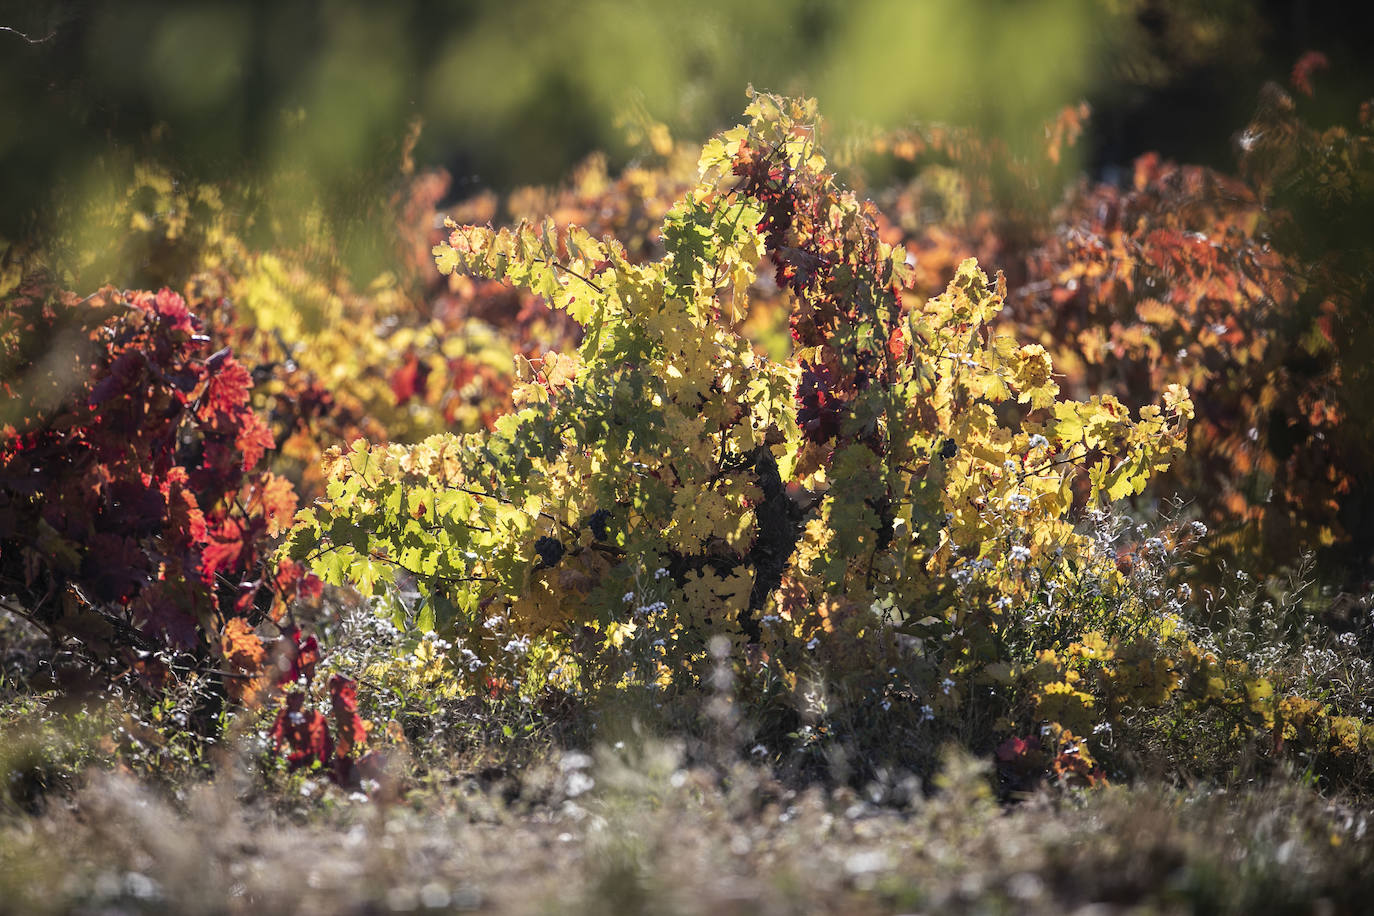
<point x="579" y="783"/>
<point x="1038" y="441"/>
<point x="927" y="714"/>
<point x="1185" y="591"/>
<point x="1003" y="603"/>
<point x="1154" y="545"/>
<point x="1199" y="529"/>
<point x="1009" y="465"/>
<point x="660" y="572"/>
<point x="1020" y="554"/>
<point x="813" y="643"/>
<point x="947" y="685"/>
<point x="629" y="596"/>
<point x="1020" y="503"/>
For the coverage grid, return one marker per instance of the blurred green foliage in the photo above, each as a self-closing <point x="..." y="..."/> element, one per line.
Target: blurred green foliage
<point x="518" y="90"/>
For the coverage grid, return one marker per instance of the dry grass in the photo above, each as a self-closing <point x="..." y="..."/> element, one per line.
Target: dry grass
<point x="632" y="831"/>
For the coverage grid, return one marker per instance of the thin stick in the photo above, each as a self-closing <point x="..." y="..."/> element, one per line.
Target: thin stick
<point x="32" y="41"/>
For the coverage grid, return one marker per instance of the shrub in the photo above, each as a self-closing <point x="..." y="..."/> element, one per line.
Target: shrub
<point x="134" y="513"/>
<point x="1249" y="288"/>
<point x="905" y="472"/>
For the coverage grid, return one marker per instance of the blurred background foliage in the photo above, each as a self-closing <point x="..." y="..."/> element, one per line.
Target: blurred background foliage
<point x="313" y="102"/>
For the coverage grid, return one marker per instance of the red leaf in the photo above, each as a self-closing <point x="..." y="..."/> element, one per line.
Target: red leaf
<point x="185" y="520"/>
<point x="304" y="654"/>
<point x="304" y="731"/>
<point x="348" y="725"/>
<point x="896" y="345"/>
<point x="225" y="550"/>
<point x="114" y="567"/>
<point x="254" y="440"/>
<point x="292" y="581"/>
<point x="410" y="379"/>
<point x="1306" y="67"/>
<point x="227" y="392"/>
<point x="171" y="308"/>
<point x="311" y="587"/>
<point x="1015" y="748"/>
<point x="245" y="654"/>
<point x="274" y="498"/>
<point x="159" y="613"/>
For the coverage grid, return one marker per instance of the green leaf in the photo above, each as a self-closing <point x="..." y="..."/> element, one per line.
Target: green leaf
<point x="424" y="617"/>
